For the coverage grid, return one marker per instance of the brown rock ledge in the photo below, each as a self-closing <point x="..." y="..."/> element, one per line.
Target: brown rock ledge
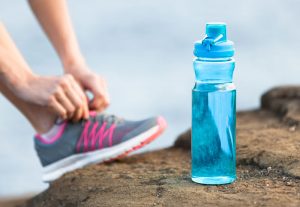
<point x="268" y="159"/>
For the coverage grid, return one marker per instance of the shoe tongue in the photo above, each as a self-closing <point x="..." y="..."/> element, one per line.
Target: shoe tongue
<point x="108" y="118"/>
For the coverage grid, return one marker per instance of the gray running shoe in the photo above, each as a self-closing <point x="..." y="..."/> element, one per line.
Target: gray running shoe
<point x="102" y="138"/>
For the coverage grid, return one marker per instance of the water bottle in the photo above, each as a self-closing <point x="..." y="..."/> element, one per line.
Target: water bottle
<point x="213" y="109"/>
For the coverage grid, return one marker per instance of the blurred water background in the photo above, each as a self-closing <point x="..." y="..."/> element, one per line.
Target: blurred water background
<point x="144" y="50"/>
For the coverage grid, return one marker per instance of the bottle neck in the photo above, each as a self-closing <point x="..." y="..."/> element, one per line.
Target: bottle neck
<point x="214" y="70"/>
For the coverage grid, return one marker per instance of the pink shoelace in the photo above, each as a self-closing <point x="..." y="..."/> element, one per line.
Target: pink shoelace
<point x="95" y="136"/>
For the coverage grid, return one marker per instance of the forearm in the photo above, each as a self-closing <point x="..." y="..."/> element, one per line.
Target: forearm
<point x="54" y="17"/>
<point x="14" y="70"/>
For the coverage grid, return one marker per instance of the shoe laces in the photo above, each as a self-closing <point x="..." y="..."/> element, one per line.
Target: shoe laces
<point x="95" y="130"/>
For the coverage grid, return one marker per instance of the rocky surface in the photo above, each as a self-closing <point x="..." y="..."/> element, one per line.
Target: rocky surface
<point x="268" y="168"/>
<point x="12" y="202"/>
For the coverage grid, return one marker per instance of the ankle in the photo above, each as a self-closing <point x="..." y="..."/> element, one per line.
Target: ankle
<point x="41" y="119"/>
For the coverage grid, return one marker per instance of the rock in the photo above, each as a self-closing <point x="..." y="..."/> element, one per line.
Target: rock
<point x="184" y="140"/>
<point x="285" y="102"/>
<point x="13" y="202"/>
<point x="268" y="168"/>
<point x="154" y="180"/>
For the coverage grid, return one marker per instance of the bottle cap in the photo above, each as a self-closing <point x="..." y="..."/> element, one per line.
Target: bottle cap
<point x="215" y="43"/>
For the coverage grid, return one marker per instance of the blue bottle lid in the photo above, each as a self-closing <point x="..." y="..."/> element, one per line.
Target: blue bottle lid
<point x="215" y="43"/>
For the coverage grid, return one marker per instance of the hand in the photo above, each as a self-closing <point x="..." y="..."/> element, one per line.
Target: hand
<point x="62" y="95"/>
<point x="92" y="82"/>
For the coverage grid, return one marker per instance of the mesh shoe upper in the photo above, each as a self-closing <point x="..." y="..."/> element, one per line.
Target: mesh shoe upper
<point x="99" y="132"/>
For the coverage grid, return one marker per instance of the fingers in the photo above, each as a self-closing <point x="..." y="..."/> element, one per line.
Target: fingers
<point x="65" y="102"/>
<point x="101" y="98"/>
<point x="78" y="114"/>
<point x="84" y="109"/>
<point x="69" y="100"/>
<point x="98" y="104"/>
<point x="57" y="108"/>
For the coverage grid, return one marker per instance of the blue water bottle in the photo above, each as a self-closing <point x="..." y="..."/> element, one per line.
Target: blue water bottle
<point x="214" y="109"/>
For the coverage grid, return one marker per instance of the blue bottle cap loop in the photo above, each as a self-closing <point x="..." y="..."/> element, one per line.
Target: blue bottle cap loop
<point x="215" y="43"/>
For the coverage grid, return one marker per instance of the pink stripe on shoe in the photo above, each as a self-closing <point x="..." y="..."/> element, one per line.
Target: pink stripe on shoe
<point x="93" y="113"/>
<point x="54" y="138"/>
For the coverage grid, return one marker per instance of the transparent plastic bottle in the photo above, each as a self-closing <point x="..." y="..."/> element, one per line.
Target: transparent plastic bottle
<point x="214" y="109"/>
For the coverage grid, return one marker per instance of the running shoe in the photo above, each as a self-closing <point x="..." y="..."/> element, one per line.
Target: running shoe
<point x="101" y="138"/>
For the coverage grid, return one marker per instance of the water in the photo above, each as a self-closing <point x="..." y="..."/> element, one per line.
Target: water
<point x="213" y="133"/>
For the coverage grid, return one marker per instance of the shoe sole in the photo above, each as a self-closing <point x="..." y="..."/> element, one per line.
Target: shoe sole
<point x="77" y="161"/>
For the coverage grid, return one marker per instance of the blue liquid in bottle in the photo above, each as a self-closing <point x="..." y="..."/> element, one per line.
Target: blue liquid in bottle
<point x="213" y="109"/>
